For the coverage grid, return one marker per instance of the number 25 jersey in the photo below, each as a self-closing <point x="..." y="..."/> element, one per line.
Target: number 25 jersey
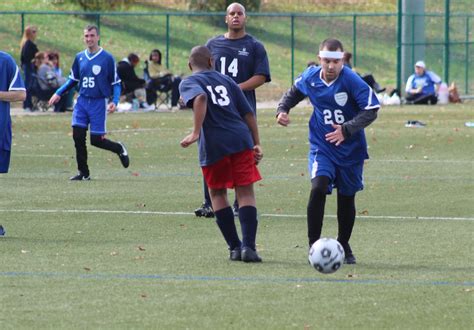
<point x="95" y="73"/>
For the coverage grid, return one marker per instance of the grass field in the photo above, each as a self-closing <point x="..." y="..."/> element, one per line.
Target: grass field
<point x="125" y="251"/>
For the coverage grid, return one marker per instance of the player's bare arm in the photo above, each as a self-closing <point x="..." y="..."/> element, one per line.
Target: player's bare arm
<point x="253" y="83"/>
<point x="252" y="124"/>
<point x="199" y="111"/>
<point x="12" y="96"/>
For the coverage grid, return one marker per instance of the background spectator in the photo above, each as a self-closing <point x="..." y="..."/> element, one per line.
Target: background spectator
<point x="422" y="86"/>
<point x="28" y="51"/>
<point x="131" y="83"/>
<point x="160" y="78"/>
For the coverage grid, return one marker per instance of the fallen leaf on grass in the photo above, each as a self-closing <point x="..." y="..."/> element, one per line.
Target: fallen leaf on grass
<point x="364" y="212"/>
<point x="140" y="248"/>
<point x="25" y="251"/>
<point x="87" y="269"/>
<point x="114" y="253"/>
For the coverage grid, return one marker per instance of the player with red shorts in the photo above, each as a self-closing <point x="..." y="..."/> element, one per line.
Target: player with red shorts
<point x="229" y="149"/>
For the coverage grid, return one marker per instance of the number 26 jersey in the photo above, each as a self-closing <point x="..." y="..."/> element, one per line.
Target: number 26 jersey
<point x="335" y="103"/>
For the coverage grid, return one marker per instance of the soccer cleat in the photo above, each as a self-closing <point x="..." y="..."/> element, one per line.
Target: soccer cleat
<point x="147" y="107"/>
<point x="350" y="259"/>
<point x="236" y="254"/>
<point x="124" y="156"/>
<point x="80" y="177"/>
<point x="204" y="211"/>
<point x="2" y="231"/>
<point x="415" y="123"/>
<point x="235" y="209"/>
<point x="249" y="255"/>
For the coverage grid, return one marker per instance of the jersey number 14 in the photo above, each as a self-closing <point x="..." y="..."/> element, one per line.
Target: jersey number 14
<point x="233" y="67"/>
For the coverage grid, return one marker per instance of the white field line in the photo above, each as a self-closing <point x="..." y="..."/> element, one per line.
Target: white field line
<point x="270" y="215"/>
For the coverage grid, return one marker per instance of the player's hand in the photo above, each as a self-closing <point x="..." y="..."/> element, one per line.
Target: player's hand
<point x="189" y="139"/>
<point x="336" y="136"/>
<point x="54" y="99"/>
<point x="258" y="153"/>
<point x="111" y="107"/>
<point x="283" y="119"/>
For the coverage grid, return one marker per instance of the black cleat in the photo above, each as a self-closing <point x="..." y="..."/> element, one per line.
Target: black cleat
<point x="80" y="177"/>
<point x="249" y="255"/>
<point x="235" y="254"/>
<point x="124" y="159"/>
<point x="350" y="259"/>
<point x="235" y="209"/>
<point x="2" y="233"/>
<point x="204" y="211"/>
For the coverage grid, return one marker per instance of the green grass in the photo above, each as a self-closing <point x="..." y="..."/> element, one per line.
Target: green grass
<point x="125" y="251"/>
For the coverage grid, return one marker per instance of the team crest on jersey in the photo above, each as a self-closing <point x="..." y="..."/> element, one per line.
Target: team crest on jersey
<point x="341" y="98"/>
<point x="96" y="69"/>
<point x="244" y="52"/>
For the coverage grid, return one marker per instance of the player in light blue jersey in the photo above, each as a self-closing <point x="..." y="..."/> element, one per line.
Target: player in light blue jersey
<point x="243" y="58"/>
<point x="343" y="106"/>
<point x="229" y="149"/>
<point x="95" y="71"/>
<point x="12" y="89"/>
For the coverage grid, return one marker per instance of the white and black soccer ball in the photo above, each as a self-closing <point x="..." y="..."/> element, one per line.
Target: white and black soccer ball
<point x="326" y="255"/>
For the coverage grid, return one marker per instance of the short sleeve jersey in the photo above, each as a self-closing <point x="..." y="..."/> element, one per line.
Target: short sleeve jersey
<point x="336" y="103"/>
<point x="10" y="80"/>
<point x="224" y="130"/>
<point x="95" y="73"/>
<point x="240" y="59"/>
<point x="426" y="81"/>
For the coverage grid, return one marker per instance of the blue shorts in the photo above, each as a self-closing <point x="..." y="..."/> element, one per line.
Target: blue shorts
<point x="89" y="111"/>
<point x="4" y="161"/>
<point x="347" y="179"/>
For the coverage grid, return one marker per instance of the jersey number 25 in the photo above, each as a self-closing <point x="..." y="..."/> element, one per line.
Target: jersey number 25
<point x="88" y="82"/>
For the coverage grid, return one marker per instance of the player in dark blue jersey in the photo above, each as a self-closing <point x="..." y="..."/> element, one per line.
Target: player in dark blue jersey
<point x="12" y="89"/>
<point x="343" y="106"/>
<point x="95" y="71"/>
<point x="240" y="56"/>
<point x="229" y="149"/>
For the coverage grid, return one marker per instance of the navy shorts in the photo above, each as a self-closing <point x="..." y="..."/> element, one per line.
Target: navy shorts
<point x="347" y="179"/>
<point x="93" y="112"/>
<point x="4" y="160"/>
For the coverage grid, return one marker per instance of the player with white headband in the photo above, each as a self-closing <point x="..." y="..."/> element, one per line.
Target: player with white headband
<point x="343" y="106"/>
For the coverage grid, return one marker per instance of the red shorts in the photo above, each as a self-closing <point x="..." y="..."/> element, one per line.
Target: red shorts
<point x="233" y="170"/>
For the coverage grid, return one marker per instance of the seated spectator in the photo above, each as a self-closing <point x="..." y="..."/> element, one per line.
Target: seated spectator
<point x="53" y="58"/>
<point x="422" y="86"/>
<point x="161" y="79"/>
<point x="368" y="78"/>
<point x="132" y="85"/>
<point x="45" y="80"/>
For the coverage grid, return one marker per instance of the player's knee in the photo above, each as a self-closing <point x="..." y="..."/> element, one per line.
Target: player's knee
<point x="319" y="185"/>
<point x="97" y="140"/>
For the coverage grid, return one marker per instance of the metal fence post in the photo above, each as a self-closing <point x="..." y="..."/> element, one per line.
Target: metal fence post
<point x="466" y="67"/>
<point x="22" y="23"/>
<point x="446" y="41"/>
<point x="292" y="49"/>
<point x="167" y="41"/>
<point x="399" y="46"/>
<point x="354" y="39"/>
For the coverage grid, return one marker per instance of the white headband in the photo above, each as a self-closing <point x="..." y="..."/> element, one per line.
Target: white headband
<point x="328" y="54"/>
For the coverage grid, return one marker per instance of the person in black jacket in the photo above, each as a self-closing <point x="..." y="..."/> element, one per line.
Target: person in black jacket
<point x="28" y="51"/>
<point x="131" y="83"/>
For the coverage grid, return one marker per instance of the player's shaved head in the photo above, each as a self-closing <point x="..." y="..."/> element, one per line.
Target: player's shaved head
<point x="230" y="7"/>
<point x="200" y="58"/>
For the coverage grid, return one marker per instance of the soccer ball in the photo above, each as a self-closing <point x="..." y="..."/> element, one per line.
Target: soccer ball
<point x="326" y="255"/>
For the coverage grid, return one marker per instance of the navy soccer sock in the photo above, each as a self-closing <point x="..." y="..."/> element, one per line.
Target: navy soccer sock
<point x="225" y="222"/>
<point x="248" y="223"/>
